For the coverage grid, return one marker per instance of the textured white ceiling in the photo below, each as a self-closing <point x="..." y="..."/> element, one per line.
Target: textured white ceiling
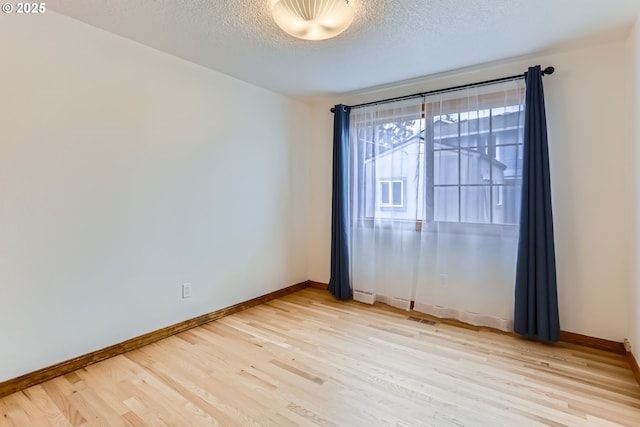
<point x="389" y="41"/>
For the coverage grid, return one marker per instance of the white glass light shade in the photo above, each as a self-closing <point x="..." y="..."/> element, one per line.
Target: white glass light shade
<point x="313" y="19"/>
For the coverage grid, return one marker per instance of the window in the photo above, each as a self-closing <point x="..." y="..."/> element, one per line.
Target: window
<point x="391" y="193"/>
<point x="440" y="159"/>
<point x="476" y="156"/>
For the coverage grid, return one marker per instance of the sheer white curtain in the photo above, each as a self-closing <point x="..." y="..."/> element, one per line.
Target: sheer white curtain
<point x="435" y="202"/>
<point x="386" y="143"/>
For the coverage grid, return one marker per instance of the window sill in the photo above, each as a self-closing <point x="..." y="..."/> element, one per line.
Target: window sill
<point x="437" y="226"/>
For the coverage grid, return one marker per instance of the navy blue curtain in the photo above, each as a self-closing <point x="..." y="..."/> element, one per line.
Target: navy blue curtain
<point x="340" y="282"/>
<point x="536" y="293"/>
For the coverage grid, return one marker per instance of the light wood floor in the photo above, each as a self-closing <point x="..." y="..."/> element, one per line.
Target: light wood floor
<point x="307" y="359"/>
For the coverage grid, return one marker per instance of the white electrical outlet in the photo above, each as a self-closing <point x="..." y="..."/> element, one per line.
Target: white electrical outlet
<point x="186" y="290"/>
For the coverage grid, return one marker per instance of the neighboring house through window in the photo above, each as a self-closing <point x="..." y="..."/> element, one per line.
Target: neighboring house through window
<point x="456" y="160"/>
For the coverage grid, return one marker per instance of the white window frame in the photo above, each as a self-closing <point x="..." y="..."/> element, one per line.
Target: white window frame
<point x="389" y="182"/>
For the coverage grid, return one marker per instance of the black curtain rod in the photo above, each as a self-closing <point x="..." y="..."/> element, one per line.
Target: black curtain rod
<point x="546" y="71"/>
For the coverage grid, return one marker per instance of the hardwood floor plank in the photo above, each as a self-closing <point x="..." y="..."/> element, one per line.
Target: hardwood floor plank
<point x="14" y="413"/>
<point x="45" y="405"/>
<point x="24" y="408"/>
<point x="66" y="406"/>
<point x="5" y="420"/>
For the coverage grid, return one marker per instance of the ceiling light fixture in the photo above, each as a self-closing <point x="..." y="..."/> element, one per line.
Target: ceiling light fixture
<point x="313" y="19"/>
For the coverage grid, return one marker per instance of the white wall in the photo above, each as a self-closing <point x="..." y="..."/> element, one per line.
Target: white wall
<point x="125" y="172"/>
<point x="320" y="178"/>
<point x="592" y="169"/>
<point x="634" y="120"/>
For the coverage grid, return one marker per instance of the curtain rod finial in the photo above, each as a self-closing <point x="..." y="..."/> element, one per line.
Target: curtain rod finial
<point x="344" y="108"/>
<point x="549" y="70"/>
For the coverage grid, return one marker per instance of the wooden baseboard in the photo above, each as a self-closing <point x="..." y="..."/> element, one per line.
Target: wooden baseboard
<point x="633" y="362"/>
<point x="317" y="285"/>
<point x="587" y="341"/>
<point x="30" y="379"/>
